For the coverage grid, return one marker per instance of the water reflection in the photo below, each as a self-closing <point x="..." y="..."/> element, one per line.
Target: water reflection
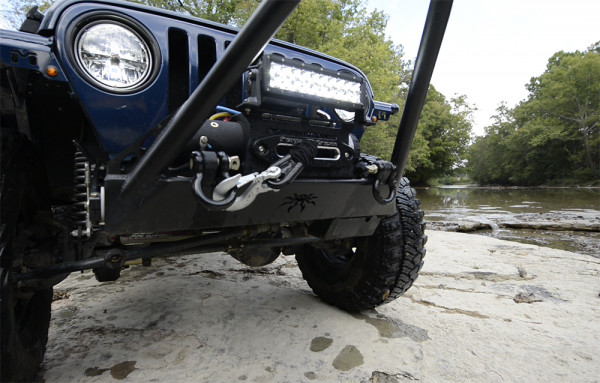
<point x="527" y="200"/>
<point x="491" y="206"/>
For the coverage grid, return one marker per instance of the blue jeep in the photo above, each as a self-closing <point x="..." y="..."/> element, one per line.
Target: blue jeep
<point x="131" y="133"/>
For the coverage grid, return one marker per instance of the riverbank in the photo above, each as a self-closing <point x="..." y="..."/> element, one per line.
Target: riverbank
<point x="562" y="218"/>
<point x="482" y="310"/>
<point x="577" y="231"/>
<point x="587" y="221"/>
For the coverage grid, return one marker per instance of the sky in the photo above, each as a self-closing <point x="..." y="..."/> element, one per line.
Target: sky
<point x="492" y="48"/>
<point x="4" y="24"/>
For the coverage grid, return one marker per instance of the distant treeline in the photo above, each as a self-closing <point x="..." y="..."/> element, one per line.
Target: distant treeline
<point x="551" y="137"/>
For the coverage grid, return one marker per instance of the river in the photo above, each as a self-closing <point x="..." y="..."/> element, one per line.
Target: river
<point x="562" y="218"/>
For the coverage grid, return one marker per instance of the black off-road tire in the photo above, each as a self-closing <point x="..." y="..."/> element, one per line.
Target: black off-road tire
<point x="25" y="313"/>
<point x="362" y="273"/>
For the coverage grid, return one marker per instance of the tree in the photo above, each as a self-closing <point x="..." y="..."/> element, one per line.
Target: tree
<point x="488" y="154"/>
<point x="340" y="28"/>
<point x="554" y="134"/>
<point x="220" y="11"/>
<point x="566" y="100"/>
<point x="440" y="143"/>
<point x="445" y="126"/>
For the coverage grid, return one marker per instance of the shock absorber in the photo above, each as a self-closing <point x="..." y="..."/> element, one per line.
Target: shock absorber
<point x="81" y="191"/>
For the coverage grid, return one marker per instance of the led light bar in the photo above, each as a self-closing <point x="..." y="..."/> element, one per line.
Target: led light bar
<point x="312" y="83"/>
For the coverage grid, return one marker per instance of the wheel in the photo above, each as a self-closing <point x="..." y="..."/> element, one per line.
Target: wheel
<point x="25" y="312"/>
<point x="362" y="273"/>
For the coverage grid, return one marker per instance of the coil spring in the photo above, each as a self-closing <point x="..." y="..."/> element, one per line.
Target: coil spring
<point x="79" y="214"/>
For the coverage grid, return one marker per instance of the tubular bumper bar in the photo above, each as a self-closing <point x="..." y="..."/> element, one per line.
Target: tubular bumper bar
<point x="249" y="42"/>
<point x="433" y="34"/>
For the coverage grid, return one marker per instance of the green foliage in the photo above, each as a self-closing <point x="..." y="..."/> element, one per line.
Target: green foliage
<point x="441" y="141"/>
<point x="341" y="28"/>
<point x="445" y="126"/>
<point x="346" y="30"/>
<point x="551" y="136"/>
<point x="220" y="11"/>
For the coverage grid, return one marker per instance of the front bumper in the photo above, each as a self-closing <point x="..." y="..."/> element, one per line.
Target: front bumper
<point x="172" y="206"/>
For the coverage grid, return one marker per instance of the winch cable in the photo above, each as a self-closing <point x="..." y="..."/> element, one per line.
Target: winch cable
<point x="305" y="152"/>
<point x="293" y="163"/>
<point x="238" y="192"/>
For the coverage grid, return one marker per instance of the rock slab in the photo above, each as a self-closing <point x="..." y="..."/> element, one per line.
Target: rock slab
<point x="483" y="310"/>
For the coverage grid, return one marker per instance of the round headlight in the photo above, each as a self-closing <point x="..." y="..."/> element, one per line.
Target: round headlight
<point x="113" y="56"/>
<point x="345" y="115"/>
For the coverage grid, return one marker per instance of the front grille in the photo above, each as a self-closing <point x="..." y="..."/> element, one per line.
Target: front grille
<point x="181" y="80"/>
<point x="207" y="55"/>
<point x="179" y="68"/>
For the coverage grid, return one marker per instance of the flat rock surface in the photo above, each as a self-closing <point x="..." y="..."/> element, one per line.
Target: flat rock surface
<point x="483" y="310"/>
<point x="586" y="220"/>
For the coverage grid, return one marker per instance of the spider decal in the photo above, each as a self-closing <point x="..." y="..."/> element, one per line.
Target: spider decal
<point x="300" y="200"/>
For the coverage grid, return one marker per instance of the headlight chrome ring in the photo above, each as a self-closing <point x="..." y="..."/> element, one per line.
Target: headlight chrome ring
<point x="113" y="55"/>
